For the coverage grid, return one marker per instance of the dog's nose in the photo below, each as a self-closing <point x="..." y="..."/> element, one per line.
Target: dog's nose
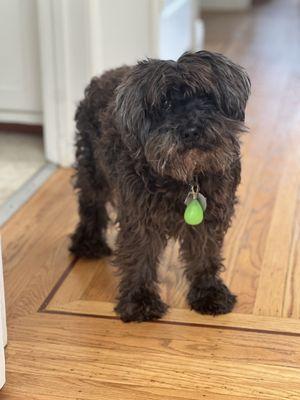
<point x="190" y="134"/>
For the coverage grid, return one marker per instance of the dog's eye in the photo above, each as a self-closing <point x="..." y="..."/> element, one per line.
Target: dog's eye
<point x="166" y="105"/>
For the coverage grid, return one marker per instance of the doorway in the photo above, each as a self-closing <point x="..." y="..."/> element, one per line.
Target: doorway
<point x="21" y="117"/>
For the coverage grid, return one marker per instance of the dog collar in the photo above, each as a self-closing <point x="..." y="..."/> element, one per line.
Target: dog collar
<point x="195" y="206"/>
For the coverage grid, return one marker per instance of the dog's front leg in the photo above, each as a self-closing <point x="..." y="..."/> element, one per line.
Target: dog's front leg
<point x="138" y="248"/>
<point x="201" y="252"/>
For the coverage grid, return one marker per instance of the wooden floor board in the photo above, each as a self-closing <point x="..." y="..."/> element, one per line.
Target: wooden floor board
<point x="64" y="339"/>
<point x="117" y="357"/>
<point x="36" y="246"/>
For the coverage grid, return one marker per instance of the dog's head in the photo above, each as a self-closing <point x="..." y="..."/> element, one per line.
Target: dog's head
<point x="184" y="116"/>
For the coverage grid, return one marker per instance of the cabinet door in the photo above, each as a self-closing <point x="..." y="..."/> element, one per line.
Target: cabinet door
<point x="20" y="91"/>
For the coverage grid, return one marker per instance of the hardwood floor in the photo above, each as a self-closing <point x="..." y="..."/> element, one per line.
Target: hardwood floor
<point x="65" y="341"/>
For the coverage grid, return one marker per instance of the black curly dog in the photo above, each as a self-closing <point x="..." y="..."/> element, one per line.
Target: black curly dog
<point x="144" y="134"/>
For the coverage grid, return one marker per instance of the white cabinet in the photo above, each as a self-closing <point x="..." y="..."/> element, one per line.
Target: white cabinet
<point x="20" y="91"/>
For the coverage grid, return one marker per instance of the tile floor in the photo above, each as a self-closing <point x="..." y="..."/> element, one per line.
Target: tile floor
<point x="21" y="156"/>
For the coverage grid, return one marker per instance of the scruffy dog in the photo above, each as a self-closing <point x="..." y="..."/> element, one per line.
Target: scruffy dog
<point x="147" y="135"/>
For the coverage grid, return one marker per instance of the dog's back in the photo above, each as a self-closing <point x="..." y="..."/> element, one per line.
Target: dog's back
<point x="97" y="96"/>
<point x="90" y="179"/>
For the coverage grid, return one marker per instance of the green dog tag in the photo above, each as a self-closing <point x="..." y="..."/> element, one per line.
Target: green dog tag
<point x="193" y="214"/>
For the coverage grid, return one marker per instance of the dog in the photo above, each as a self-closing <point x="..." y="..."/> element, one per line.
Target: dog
<point x="149" y="136"/>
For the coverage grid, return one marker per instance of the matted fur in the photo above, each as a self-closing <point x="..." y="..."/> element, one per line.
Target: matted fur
<point x="144" y="134"/>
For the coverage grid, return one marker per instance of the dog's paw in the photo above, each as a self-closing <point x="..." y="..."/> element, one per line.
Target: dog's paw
<point x="215" y="299"/>
<point x="84" y="247"/>
<point x="141" y="306"/>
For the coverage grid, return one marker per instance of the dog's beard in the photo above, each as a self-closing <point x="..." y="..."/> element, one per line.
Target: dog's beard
<point x="167" y="157"/>
<point x="162" y="153"/>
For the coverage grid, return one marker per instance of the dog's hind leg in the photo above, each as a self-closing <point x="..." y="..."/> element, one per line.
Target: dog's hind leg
<point x="88" y="240"/>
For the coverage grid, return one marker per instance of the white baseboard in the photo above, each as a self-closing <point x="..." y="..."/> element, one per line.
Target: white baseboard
<point x="225" y="5"/>
<point x="35" y="118"/>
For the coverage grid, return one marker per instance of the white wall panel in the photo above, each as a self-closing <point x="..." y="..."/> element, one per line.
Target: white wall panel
<point x="20" y="90"/>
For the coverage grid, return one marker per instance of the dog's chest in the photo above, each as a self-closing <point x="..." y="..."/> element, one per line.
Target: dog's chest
<point x="166" y="209"/>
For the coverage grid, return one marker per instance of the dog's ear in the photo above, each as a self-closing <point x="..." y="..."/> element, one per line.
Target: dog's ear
<point x="141" y="93"/>
<point x="230" y="83"/>
<point x="133" y="97"/>
<point x="129" y="101"/>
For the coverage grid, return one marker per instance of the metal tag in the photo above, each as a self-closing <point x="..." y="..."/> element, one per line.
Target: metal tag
<point x="188" y="198"/>
<point x="202" y="200"/>
<point x="195" y="194"/>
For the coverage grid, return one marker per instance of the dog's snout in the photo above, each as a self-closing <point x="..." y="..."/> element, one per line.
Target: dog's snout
<point x="190" y="133"/>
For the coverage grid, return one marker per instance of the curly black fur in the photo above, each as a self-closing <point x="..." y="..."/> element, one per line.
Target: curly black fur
<point x="144" y="133"/>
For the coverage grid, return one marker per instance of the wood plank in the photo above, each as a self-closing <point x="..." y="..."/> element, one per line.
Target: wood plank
<point x="35" y="244"/>
<point x="136" y="369"/>
<point x="30" y="387"/>
<point x="138" y="357"/>
<point x="291" y="304"/>
<point x="205" y="342"/>
<point x="277" y="265"/>
<point x="186" y="317"/>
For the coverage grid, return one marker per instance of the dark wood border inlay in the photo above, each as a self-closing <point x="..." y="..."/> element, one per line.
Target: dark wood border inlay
<point x="56" y="287"/>
<point x="58" y="284"/>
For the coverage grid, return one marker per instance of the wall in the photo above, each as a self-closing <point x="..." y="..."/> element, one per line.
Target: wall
<point x="120" y="32"/>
